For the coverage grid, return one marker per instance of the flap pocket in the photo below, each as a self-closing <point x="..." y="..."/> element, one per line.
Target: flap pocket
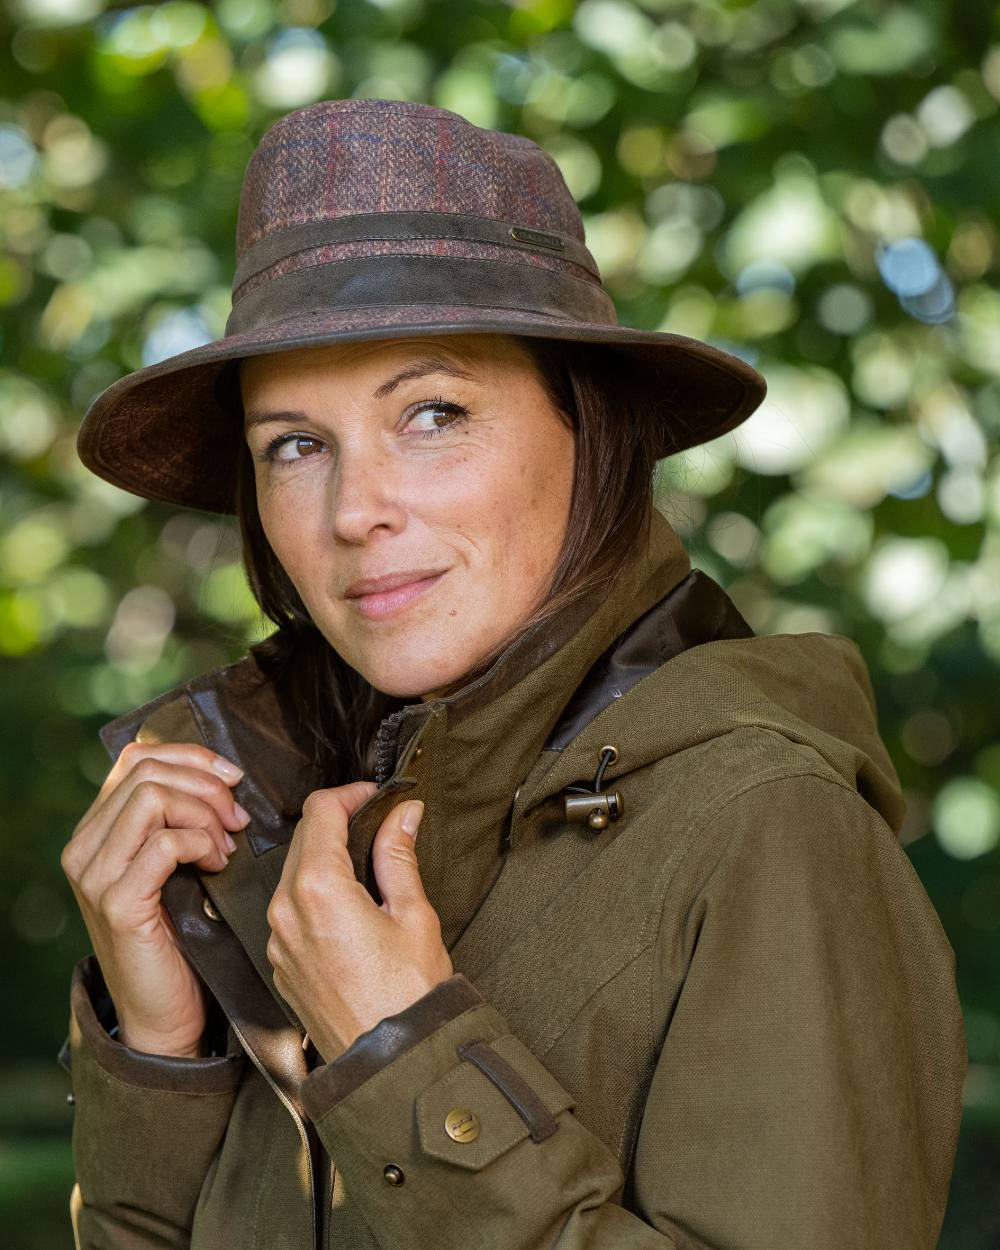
<point x="468" y="1119"/>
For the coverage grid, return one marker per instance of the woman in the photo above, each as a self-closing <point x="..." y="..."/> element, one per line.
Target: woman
<point x="655" y="970"/>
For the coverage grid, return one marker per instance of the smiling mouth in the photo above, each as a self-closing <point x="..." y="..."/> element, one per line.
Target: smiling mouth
<point x="381" y="603"/>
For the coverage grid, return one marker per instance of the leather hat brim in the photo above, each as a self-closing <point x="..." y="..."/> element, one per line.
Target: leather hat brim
<point x="164" y="433"/>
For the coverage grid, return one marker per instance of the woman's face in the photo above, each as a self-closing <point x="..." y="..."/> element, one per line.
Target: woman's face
<point x="438" y="463"/>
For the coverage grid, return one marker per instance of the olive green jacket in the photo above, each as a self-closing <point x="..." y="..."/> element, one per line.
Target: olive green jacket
<point x="726" y="1019"/>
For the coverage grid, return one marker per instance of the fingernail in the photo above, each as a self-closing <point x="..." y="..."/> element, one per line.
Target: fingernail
<point x="410" y="818"/>
<point x="241" y="814"/>
<point x="230" y="843"/>
<point x="226" y="769"/>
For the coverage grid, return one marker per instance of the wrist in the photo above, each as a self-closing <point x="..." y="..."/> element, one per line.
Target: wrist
<point x="151" y="1044"/>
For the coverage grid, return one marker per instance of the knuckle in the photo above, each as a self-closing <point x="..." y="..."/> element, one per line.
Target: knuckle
<point x="277" y="911"/>
<point x="164" y="842"/>
<point x="311" y="804"/>
<point x="146" y="769"/>
<point x="402" y="854"/>
<point x="218" y="789"/>
<point x="148" y="791"/>
<point x="131" y="751"/>
<point x="319" y="801"/>
<point x="84" y="885"/>
<point x="308" y="884"/>
<point x="68" y="860"/>
<point x="112" y="908"/>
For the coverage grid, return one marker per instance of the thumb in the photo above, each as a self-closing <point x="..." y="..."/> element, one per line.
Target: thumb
<point x="395" y="859"/>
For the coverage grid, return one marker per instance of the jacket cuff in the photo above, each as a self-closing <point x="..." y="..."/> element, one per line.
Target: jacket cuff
<point x="145" y="1127"/>
<point x="461" y="1120"/>
<point x="91" y="1024"/>
<point x="392" y="1037"/>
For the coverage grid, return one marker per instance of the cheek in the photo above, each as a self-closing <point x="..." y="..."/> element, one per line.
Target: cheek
<point x="530" y="511"/>
<point x="286" y="524"/>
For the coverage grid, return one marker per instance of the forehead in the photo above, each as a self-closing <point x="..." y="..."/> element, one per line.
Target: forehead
<point x="477" y="353"/>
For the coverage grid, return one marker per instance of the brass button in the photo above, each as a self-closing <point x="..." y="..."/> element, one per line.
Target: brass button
<point x="210" y="909"/>
<point x="461" y="1124"/>
<point x="393" y="1174"/>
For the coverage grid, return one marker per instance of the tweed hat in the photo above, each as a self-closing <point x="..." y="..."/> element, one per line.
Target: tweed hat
<point x="363" y="219"/>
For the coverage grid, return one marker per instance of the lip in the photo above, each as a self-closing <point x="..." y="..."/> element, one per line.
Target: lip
<point x="391" y="592"/>
<point x="388" y="581"/>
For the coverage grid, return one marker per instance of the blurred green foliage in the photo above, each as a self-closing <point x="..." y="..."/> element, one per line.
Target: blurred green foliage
<point x="813" y="184"/>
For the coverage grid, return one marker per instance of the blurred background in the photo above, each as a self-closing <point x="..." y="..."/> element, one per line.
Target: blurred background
<point x="812" y="184"/>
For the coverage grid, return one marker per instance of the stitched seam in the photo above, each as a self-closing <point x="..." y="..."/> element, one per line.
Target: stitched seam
<point x="619" y="971"/>
<point x="633" y="1015"/>
<point x="512" y="1085"/>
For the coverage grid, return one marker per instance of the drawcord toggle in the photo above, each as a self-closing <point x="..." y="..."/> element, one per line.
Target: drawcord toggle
<point x="591" y="805"/>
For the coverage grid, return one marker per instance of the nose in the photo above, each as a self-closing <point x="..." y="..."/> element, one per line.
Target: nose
<point x="365" y="495"/>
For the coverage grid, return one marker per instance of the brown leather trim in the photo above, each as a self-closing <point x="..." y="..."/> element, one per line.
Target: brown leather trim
<point x="513" y="1086"/>
<point x="391" y="1037"/>
<point x="94" y="1011"/>
<point x="694" y="611"/>
<point x="416" y="224"/>
<point x="336" y="285"/>
<point x="218" y="956"/>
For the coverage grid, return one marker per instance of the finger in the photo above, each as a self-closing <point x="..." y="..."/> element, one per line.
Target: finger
<point x="191" y="754"/>
<point x="196" y="782"/>
<point x="326" y="813"/>
<point x="348" y="798"/>
<point x="356" y="793"/>
<point x="132" y="900"/>
<point x="394" y="859"/>
<point x="150" y="807"/>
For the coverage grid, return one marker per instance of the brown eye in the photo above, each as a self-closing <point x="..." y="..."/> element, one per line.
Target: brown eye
<point x="287" y="448"/>
<point x="454" y="415"/>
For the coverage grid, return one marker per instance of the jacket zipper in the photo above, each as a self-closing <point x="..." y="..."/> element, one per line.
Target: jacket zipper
<point x="386" y="744"/>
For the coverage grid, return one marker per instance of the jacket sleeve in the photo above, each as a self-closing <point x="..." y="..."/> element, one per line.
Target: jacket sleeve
<point x="145" y="1126"/>
<point x="807" y="1090"/>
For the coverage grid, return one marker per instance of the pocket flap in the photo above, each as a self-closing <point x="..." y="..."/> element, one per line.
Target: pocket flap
<point x="482" y="1118"/>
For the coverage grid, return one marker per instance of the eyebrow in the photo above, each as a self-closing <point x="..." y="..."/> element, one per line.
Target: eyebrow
<point x="417" y="369"/>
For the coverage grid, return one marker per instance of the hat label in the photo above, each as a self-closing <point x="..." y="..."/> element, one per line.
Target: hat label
<point x="524" y="234"/>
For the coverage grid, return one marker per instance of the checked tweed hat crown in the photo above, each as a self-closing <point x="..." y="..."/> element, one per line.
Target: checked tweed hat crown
<point x="366" y="219"/>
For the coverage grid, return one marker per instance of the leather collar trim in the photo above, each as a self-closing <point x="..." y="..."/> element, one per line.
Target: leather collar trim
<point x="696" y="610"/>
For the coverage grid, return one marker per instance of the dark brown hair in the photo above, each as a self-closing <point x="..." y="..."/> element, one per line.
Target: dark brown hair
<point x="618" y="436"/>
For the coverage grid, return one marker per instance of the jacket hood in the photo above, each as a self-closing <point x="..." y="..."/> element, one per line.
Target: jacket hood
<point x="814" y="689"/>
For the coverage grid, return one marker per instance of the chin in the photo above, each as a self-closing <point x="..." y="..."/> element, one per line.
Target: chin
<point x="410" y="681"/>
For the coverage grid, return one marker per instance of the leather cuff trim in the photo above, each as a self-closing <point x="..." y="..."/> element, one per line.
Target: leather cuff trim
<point x="386" y="1041"/>
<point x="94" y="1013"/>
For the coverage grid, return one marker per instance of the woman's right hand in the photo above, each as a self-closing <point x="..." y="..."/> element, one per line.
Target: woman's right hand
<point x="161" y="805"/>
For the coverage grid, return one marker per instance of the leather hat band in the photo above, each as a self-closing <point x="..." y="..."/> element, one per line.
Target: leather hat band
<point x="361" y="227"/>
<point x="445" y="280"/>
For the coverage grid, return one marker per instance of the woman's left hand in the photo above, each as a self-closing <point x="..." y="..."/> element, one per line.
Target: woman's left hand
<point x="340" y="961"/>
